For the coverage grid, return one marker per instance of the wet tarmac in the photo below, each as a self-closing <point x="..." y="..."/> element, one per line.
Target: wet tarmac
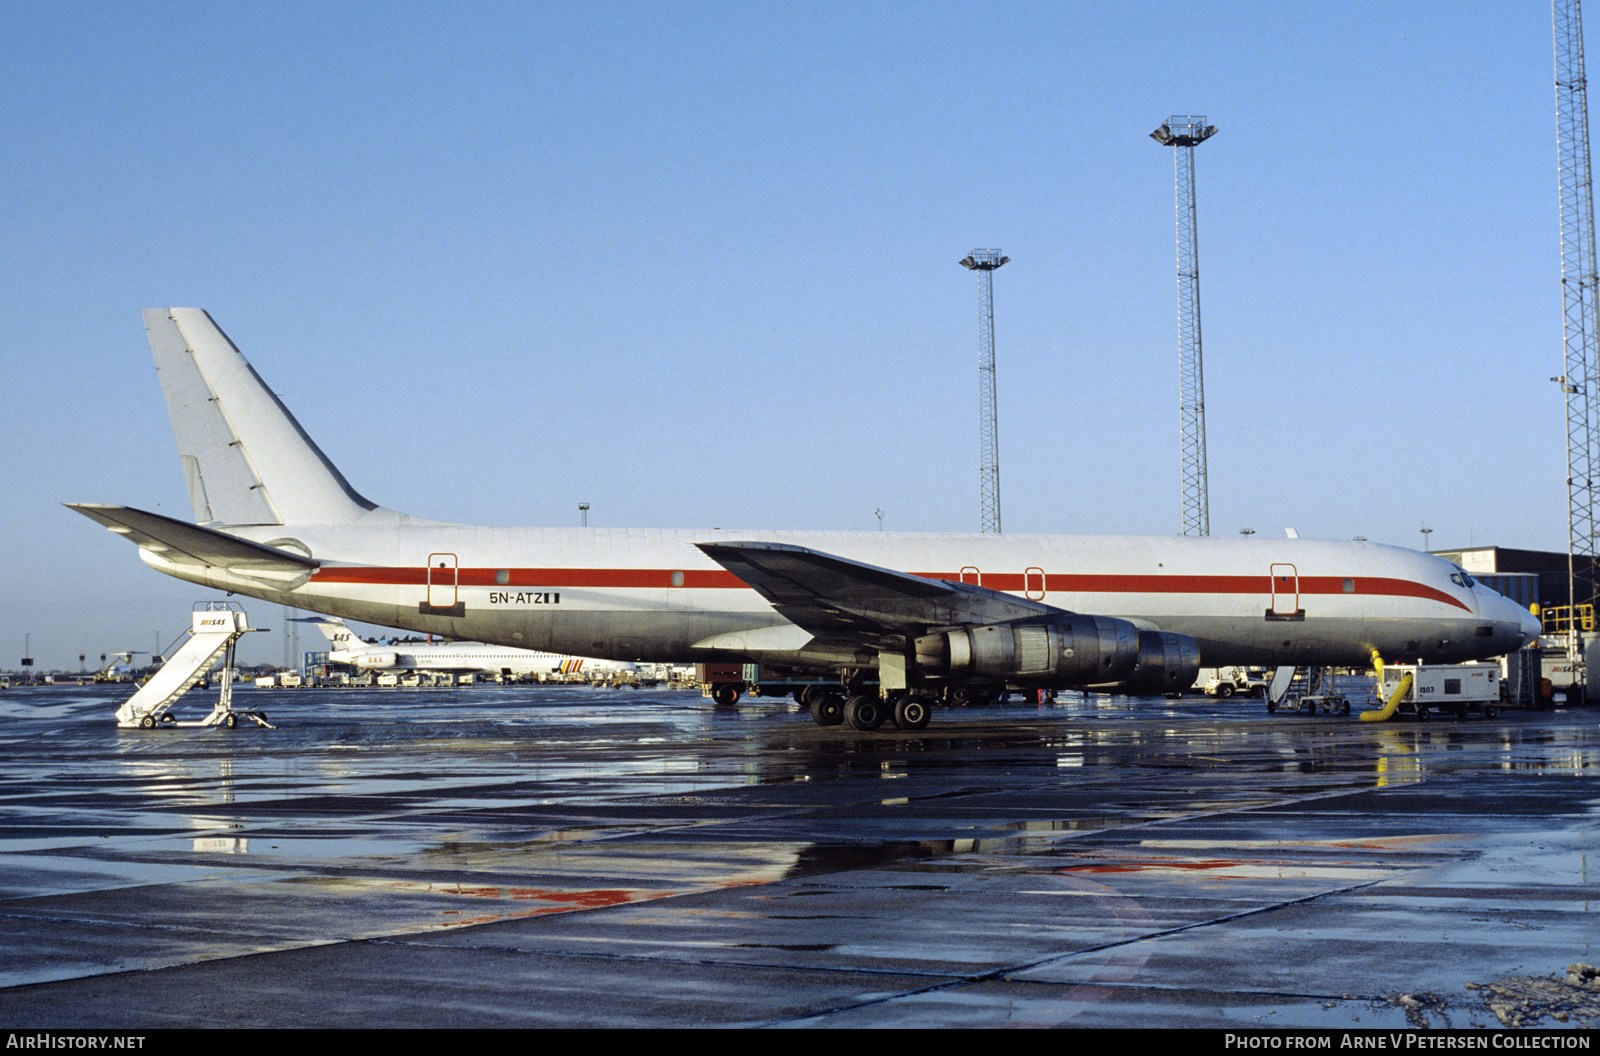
<point x="545" y="856"/>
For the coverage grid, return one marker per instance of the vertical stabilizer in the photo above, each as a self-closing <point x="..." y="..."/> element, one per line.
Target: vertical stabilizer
<point x="245" y="459"/>
<point x="341" y="638"/>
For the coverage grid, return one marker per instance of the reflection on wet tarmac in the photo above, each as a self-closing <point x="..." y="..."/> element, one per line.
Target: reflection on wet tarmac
<point x="503" y="854"/>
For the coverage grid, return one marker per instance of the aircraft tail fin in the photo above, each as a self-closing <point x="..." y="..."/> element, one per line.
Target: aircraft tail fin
<point x="245" y="458"/>
<point x="341" y="637"/>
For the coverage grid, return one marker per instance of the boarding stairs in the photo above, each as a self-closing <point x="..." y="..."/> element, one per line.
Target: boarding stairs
<point x="215" y="628"/>
<point x="1307" y="688"/>
<point x="1291" y="683"/>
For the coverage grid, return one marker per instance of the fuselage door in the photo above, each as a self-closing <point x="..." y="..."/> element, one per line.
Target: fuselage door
<point x="443" y="580"/>
<point x="972" y="575"/>
<point x="1285" y="588"/>
<point x="1033" y="584"/>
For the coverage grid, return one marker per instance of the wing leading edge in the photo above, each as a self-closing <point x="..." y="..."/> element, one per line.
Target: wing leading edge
<point x="832" y="596"/>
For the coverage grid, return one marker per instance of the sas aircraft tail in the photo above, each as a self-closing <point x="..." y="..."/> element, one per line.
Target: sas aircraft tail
<point x="341" y="638"/>
<point x="245" y="458"/>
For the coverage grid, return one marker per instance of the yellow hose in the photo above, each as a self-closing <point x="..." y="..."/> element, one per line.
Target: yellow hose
<point x="1387" y="711"/>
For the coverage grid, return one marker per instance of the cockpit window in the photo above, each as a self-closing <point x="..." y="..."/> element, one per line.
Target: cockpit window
<point x="1461" y="579"/>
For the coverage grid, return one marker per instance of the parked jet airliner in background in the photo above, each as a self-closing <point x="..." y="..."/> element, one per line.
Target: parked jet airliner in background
<point x="473" y="658"/>
<point x="922" y="612"/>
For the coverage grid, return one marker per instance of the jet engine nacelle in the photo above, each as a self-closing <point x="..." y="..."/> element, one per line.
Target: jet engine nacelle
<point x="377" y="660"/>
<point x="1168" y="663"/>
<point x="1055" y="651"/>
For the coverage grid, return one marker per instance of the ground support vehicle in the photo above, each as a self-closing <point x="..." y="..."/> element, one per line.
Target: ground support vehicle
<point x="726" y="683"/>
<point x="1456" y="689"/>
<point x="1237" y="682"/>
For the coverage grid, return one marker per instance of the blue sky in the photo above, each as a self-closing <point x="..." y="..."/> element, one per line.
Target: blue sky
<point x="695" y="265"/>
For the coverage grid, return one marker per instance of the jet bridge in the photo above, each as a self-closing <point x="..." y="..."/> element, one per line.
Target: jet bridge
<point x="215" y="629"/>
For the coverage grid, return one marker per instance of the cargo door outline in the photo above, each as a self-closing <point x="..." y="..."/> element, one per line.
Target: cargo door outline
<point x="1283" y="585"/>
<point x="443" y="577"/>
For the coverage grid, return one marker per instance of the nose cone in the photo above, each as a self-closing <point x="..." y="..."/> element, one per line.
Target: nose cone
<point x="1514" y="626"/>
<point x="1530" y="628"/>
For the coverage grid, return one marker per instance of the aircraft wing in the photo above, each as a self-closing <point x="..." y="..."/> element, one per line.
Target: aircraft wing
<point x="191" y="544"/>
<point x="833" y="596"/>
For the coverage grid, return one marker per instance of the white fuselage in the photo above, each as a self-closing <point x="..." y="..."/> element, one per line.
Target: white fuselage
<point x="651" y="595"/>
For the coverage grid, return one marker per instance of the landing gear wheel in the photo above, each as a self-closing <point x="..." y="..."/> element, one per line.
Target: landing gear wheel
<point x="827" y="709"/>
<point x="865" y="712"/>
<point x="912" y="713"/>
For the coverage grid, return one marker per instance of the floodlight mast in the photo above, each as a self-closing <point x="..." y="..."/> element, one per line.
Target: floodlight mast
<point x="1579" y="289"/>
<point x="1183" y="134"/>
<point x="984" y="262"/>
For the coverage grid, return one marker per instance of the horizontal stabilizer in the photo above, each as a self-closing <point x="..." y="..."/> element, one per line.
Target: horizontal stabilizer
<point x="829" y="595"/>
<point x="192" y="544"/>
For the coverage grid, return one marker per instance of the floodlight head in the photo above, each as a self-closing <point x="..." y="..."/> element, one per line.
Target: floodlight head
<point x="983" y="260"/>
<point x="1183" y="131"/>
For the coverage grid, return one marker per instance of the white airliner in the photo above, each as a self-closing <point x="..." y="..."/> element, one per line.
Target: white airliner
<point x="920" y="612"/>
<point x="475" y="658"/>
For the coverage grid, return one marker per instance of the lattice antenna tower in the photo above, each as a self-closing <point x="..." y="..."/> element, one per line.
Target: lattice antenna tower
<point x="1183" y="134"/>
<point x="1578" y="294"/>
<point x="984" y="262"/>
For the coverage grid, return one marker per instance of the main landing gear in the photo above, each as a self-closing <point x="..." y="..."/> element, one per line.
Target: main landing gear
<point x="866" y="711"/>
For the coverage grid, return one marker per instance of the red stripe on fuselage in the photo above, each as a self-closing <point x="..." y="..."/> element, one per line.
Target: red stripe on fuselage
<point x="720" y="579"/>
<point x="643" y="578"/>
